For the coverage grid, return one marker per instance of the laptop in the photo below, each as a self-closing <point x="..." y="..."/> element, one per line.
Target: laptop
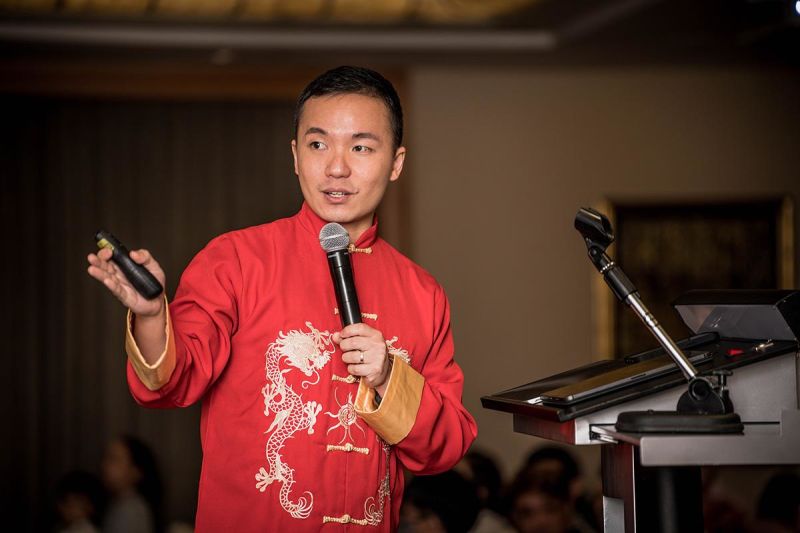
<point x="618" y="378"/>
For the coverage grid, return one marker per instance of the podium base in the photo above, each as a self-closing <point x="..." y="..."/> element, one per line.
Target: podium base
<point x="675" y="422"/>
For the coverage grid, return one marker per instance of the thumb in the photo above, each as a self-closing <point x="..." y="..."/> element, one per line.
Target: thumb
<point x="140" y="256"/>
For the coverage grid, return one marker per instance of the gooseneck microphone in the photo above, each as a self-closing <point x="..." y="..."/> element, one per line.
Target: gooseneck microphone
<point x="142" y="280"/>
<point x="334" y="239"/>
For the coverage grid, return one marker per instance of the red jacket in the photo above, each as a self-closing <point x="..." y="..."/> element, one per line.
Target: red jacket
<point x="291" y="442"/>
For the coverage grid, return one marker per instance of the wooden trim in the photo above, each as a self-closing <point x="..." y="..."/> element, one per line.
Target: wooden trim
<point x="162" y="81"/>
<point x="150" y="80"/>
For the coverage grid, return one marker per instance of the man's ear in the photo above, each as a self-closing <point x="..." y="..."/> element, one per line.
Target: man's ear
<point x="397" y="164"/>
<point x="294" y="156"/>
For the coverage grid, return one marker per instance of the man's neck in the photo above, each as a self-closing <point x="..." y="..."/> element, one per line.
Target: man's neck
<point x="357" y="229"/>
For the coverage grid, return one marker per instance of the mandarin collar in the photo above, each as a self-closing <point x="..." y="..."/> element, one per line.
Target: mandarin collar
<point x="313" y="223"/>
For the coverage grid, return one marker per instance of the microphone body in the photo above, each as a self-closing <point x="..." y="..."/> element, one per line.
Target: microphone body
<point x="345" y="288"/>
<point x="334" y="240"/>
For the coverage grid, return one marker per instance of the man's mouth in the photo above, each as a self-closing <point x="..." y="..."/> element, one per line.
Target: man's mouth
<point x="337" y="194"/>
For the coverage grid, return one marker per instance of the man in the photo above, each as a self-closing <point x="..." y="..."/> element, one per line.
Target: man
<point x="305" y="427"/>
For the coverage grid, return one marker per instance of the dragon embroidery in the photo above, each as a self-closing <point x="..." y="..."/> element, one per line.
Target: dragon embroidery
<point x="307" y="352"/>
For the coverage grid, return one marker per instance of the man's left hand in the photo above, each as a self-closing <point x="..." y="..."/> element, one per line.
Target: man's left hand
<point x="365" y="354"/>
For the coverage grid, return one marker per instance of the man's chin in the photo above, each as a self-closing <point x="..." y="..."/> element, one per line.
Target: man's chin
<point x="348" y="217"/>
<point x="340" y="214"/>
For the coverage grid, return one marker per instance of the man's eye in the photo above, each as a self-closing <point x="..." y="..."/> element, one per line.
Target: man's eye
<point x="362" y="149"/>
<point x="316" y="145"/>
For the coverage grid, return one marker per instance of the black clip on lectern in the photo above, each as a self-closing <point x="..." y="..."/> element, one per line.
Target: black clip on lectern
<point x="705" y="407"/>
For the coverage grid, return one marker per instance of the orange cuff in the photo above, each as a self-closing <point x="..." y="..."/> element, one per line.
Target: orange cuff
<point x="395" y="416"/>
<point x="156" y="375"/>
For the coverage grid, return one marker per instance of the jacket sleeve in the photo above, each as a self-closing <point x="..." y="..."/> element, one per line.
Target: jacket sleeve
<point x="200" y="323"/>
<point x="422" y="413"/>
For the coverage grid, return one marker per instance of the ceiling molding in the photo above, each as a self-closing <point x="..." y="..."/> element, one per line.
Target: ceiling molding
<point x="202" y="37"/>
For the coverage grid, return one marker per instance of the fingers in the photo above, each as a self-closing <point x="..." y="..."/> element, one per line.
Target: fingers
<point x="98" y="268"/>
<point x="359" y="337"/>
<point x="370" y="365"/>
<point x="366" y="369"/>
<point x="358" y="330"/>
<point x="364" y="352"/>
<point x="105" y="254"/>
<point x="372" y="374"/>
<point x="356" y="357"/>
<point x="108" y="274"/>
<point x="141" y="256"/>
<point x="358" y="343"/>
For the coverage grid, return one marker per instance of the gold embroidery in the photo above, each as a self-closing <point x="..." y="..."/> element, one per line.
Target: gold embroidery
<point x="349" y="379"/>
<point x="346" y="416"/>
<point x="373" y="508"/>
<point x="344" y="519"/>
<point x="346" y="448"/>
<point x="397" y="351"/>
<point x="352" y="249"/>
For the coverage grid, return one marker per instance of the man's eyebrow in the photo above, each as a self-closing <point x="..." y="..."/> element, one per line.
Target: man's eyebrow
<point x="314" y="129"/>
<point x="366" y="135"/>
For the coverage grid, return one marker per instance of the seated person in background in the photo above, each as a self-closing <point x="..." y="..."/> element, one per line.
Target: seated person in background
<point x="540" y="505"/>
<point x="482" y="470"/>
<point x="779" y="504"/>
<point x="131" y="476"/>
<point x="79" y="502"/>
<point x="556" y="465"/>
<point x="443" y="503"/>
<point x="721" y="512"/>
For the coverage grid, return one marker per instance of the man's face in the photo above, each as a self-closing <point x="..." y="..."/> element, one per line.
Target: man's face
<point x="536" y="512"/>
<point x="345" y="158"/>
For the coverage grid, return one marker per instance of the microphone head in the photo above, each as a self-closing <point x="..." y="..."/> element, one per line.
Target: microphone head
<point x="333" y="237"/>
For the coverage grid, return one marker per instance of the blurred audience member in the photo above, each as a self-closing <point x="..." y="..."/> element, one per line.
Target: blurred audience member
<point x="555" y="467"/>
<point x="779" y="504"/>
<point x="482" y="471"/>
<point x="721" y="512"/>
<point x="79" y="501"/>
<point x="541" y="505"/>
<point x="442" y="503"/>
<point x="131" y="476"/>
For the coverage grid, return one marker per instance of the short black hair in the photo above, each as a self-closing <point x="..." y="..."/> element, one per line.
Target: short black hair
<point x="570" y="469"/>
<point x="486" y="475"/>
<point x="149" y="486"/>
<point x="449" y="496"/>
<point x="80" y="482"/>
<point x="780" y="500"/>
<point x="355" y="80"/>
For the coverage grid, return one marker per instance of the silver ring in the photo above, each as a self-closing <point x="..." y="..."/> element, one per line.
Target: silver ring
<point x="362" y="357"/>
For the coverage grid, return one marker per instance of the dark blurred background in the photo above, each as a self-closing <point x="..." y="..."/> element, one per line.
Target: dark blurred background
<point x="168" y="122"/>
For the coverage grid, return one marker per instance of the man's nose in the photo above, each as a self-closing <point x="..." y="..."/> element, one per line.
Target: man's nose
<point x="337" y="165"/>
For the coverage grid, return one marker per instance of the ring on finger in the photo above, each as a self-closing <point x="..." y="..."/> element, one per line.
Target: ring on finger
<point x="361" y="357"/>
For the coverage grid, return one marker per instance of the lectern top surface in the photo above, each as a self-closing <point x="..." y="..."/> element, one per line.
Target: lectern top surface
<point x="727" y="354"/>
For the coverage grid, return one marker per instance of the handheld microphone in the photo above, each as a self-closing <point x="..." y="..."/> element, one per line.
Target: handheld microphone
<point x="141" y="278"/>
<point x="334" y="240"/>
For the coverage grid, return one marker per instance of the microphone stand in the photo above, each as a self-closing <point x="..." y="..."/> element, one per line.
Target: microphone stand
<point x="706" y="406"/>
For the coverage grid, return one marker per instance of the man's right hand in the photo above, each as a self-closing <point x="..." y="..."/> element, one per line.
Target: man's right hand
<point x="106" y="272"/>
